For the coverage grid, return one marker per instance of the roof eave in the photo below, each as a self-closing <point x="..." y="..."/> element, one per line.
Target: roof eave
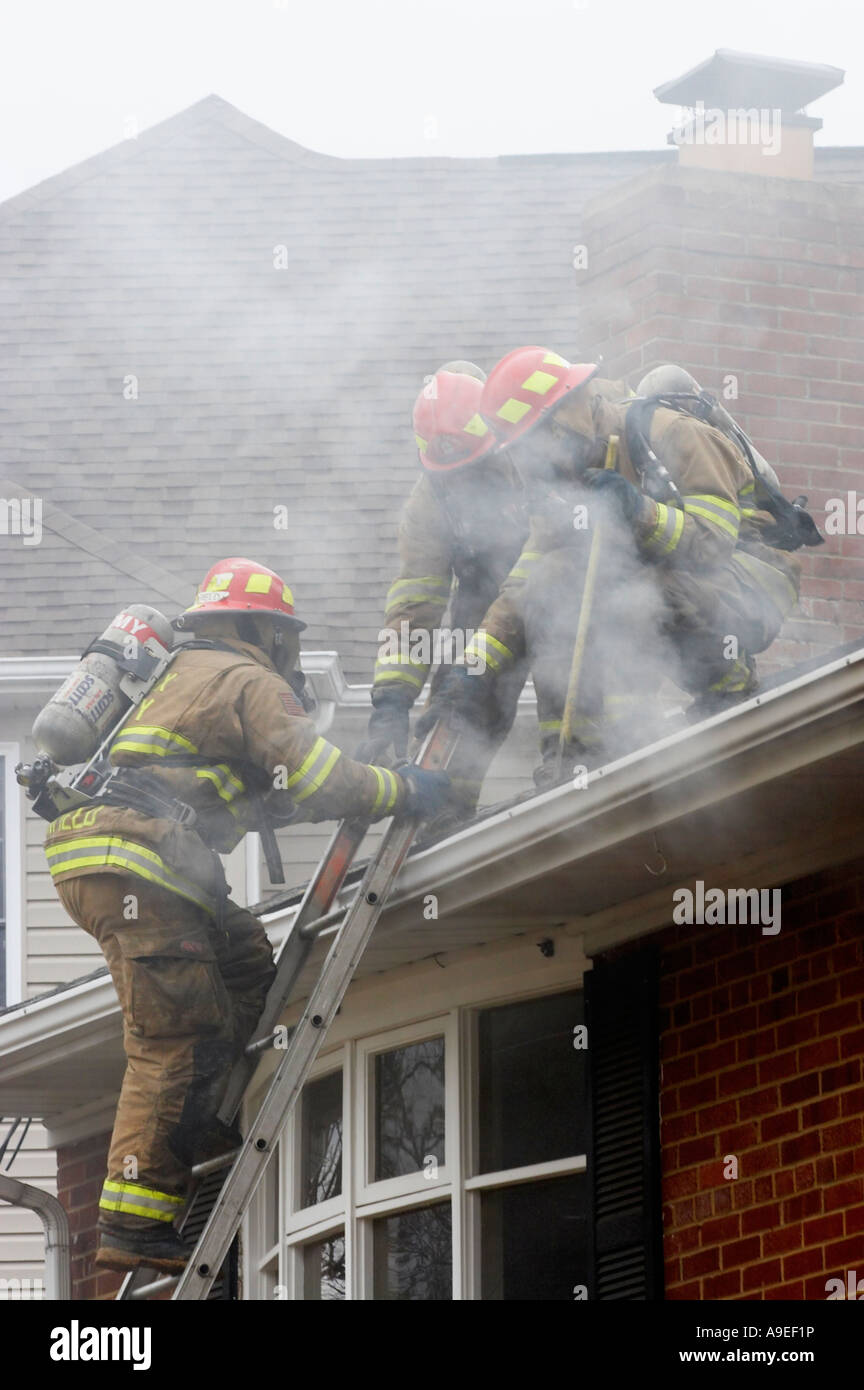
<point x="529" y="848"/>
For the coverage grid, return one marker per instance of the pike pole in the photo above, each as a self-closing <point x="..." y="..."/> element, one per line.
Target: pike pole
<point x="571" y="704"/>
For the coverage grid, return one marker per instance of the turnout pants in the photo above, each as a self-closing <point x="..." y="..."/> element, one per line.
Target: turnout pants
<point x="191" y="994"/>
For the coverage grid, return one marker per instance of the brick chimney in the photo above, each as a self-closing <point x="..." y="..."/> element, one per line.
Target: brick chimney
<point x="742" y="113"/>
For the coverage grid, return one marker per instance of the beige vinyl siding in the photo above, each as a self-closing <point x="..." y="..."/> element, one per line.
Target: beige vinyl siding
<point x="57" y="949"/>
<point x="22" y="1236"/>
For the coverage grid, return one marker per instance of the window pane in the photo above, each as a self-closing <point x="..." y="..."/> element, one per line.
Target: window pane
<point x="413" y="1253"/>
<point x="270" y="1199"/>
<point x="531" y="1083"/>
<point x="534" y="1239"/>
<point x="321" y="1161"/>
<point x="324" y="1268"/>
<point x="409" y="1109"/>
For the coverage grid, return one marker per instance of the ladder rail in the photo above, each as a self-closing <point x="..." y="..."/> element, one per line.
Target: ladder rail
<point x="307" y="1038"/>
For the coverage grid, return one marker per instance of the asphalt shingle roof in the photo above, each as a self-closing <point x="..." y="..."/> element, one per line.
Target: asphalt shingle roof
<point x="152" y="267"/>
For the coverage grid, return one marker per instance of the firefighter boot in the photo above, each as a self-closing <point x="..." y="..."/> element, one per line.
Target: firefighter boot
<point x="155" y="1247"/>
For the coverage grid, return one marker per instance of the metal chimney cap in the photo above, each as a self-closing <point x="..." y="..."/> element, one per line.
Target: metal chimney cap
<point x="731" y="79"/>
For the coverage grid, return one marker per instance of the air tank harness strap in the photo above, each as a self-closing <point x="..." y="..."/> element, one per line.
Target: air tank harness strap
<point x="263" y="823"/>
<point x="654" y="477"/>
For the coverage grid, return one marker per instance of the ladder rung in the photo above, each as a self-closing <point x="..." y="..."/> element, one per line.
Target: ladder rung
<point x="314" y="928"/>
<point x="212" y="1165"/>
<point x="263" y="1044"/>
<point x="166" y="1282"/>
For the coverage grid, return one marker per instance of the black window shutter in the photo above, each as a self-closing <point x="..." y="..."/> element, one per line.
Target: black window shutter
<point x="625" y="1220"/>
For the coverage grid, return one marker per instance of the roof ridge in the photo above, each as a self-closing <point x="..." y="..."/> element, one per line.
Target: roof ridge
<point x="191" y="117"/>
<point x="117" y="557"/>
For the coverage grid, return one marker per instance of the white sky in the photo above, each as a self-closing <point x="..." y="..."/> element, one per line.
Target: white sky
<point x="392" y="77"/>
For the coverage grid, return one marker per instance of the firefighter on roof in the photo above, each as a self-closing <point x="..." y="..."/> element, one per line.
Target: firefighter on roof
<point x="460" y="533"/>
<point x="222" y="728"/>
<point x="694" y="579"/>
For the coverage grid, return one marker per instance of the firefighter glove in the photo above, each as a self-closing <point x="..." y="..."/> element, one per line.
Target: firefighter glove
<point x="388" y="724"/>
<point x="428" y="792"/>
<point x="627" y="498"/>
<point x="460" y="699"/>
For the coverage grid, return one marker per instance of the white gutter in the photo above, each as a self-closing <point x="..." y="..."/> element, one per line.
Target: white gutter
<point x="528" y="840"/>
<point x="58" y="1241"/>
<point x="41" y="675"/>
<point x="752" y="743"/>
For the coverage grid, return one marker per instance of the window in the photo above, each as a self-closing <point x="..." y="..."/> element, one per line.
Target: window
<point x="11" y="945"/>
<point x="321" y="1140"/>
<point x="409" y="1108"/>
<point x="444" y="1160"/>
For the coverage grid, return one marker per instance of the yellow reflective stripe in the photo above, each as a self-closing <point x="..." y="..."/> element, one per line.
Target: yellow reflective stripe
<point x="382" y="789"/>
<point x="750" y="511"/>
<point x="553" y="360"/>
<point x="107" y="850"/>
<point x="227" y="793"/>
<point x="149" y="739"/>
<point x="738" y="678"/>
<point x="258" y="584"/>
<point x="499" y="646"/>
<point x="712" y="508"/>
<point x="513" y="410"/>
<point x="539" y="383"/>
<point x="170" y="1198"/>
<point x="713" y="501"/>
<point x="667" y="531"/>
<point x="124" y="862"/>
<point x="549" y="726"/>
<point x="388" y="788"/>
<point x="479" y="646"/>
<point x="421" y="443"/>
<point x="731" y="528"/>
<point x="526" y="559"/>
<point x="423" y="589"/>
<point x="678" y="527"/>
<point x="314" y="753"/>
<point x="132" y="1209"/>
<point x="314" y="779"/>
<point x="99" y="842"/>
<point x="229" y="776"/>
<point x="748" y="487"/>
<point x="400" y="675"/>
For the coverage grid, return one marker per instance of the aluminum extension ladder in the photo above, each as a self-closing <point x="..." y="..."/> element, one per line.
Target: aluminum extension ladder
<point x="215" y="1209"/>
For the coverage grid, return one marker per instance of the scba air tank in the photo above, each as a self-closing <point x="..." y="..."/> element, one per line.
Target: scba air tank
<point x="113" y="673"/>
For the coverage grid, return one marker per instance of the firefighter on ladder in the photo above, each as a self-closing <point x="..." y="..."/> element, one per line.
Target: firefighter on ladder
<point x="690" y="588"/>
<point x="459" y="535"/>
<point x="222" y="729"/>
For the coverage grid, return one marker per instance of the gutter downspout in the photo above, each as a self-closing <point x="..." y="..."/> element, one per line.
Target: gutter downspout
<point x="58" y="1281"/>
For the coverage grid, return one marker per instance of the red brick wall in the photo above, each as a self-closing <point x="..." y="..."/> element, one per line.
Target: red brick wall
<point x="80" y="1174"/>
<point x="762" y="279"/>
<point x="762" y="1043"/>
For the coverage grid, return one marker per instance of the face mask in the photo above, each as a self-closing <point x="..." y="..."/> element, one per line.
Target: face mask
<point x="285" y="651"/>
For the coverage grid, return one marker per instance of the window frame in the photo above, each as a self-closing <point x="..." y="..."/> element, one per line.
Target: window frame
<point x="369" y="1192"/>
<point x="363" y="1199"/>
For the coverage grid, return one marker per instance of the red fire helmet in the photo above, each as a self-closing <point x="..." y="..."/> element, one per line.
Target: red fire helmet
<point x="524" y="385"/>
<point x="448" y="426"/>
<point x="242" y="586"/>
